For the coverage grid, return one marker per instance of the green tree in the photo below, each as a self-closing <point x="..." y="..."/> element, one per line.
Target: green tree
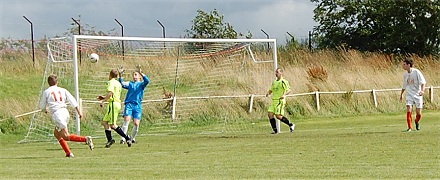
<point x="406" y="26"/>
<point x="211" y="26"/>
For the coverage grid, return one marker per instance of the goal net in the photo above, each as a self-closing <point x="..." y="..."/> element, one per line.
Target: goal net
<point x="196" y="85"/>
<point x="59" y="62"/>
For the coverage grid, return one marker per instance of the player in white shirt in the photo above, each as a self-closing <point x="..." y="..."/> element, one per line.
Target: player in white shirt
<point x="56" y="98"/>
<point x="414" y="84"/>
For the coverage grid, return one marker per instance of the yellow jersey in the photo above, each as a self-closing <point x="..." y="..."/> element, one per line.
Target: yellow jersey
<point x="279" y="87"/>
<point x="114" y="86"/>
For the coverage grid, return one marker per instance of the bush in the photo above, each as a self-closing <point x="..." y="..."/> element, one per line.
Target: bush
<point x="11" y="126"/>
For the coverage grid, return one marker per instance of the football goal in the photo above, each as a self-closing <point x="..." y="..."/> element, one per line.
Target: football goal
<point x="196" y="85"/>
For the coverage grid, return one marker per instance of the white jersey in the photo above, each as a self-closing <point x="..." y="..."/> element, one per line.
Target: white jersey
<point x="412" y="82"/>
<point x="56" y="98"/>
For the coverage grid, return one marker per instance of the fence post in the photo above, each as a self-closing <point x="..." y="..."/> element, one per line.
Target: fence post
<point x="431" y="94"/>
<point x="251" y="102"/>
<point x="317" y="100"/>
<point x="173" y="113"/>
<point x="80" y="104"/>
<point x="374" y="97"/>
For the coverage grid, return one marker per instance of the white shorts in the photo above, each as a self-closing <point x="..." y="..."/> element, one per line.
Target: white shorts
<point x="416" y="100"/>
<point x="61" y="118"/>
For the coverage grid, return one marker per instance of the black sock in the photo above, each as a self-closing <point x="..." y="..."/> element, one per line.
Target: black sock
<point x="273" y="124"/>
<point x="120" y="132"/>
<point x="286" y="121"/>
<point x="108" y="134"/>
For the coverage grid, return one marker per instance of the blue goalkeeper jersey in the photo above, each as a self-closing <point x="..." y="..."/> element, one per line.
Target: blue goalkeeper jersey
<point x="135" y="92"/>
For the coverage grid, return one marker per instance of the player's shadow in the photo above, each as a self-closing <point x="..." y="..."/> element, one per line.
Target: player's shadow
<point x="28" y="157"/>
<point x="73" y="148"/>
<point x="53" y="149"/>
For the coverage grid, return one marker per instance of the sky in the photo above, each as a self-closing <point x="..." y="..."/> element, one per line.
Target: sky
<point x="139" y="18"/>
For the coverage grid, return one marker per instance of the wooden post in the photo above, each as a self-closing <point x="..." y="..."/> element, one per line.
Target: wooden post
<point x="173" y="113"/>
<point x="251" y="102"/>
<point x="374" y="97"/>
<point x="431" y="94"/>
<point x="80" y="104"/>
<point x="318" y="107"/>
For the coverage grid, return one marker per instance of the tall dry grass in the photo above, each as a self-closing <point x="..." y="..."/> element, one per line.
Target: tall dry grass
<point x="20" y="82"/>
<point x="344" y="70"/>
<point x="352" y="70"/>
<point x="349" y="70"/>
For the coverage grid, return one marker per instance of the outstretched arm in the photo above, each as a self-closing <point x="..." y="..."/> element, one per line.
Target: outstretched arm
<point x="79" y="112"/>
<point x="109" y="94"/>
<point x="124" y="84"/>
<point x="422" y="90"/>
<point x="146" y="79"/>
<point x="268" y="92"/>
<point x="73" y="103"/>
<point x="285" y="93"/>
<point x="121" y="71"/>
<point x="401" y="94"/>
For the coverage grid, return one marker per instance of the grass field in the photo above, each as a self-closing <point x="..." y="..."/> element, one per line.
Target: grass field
<point x="359" y="147"/>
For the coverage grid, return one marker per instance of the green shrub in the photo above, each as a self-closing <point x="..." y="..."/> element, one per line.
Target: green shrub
<point x="11" y="126"/>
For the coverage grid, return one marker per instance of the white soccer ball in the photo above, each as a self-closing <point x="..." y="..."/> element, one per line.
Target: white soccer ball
<point x="94" y="57"/>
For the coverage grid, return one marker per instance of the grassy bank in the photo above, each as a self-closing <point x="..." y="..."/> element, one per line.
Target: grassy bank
<point x="21" y="80"/>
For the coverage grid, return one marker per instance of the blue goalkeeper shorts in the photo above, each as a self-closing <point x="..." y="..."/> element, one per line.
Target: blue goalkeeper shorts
<point x="134" y="110"/>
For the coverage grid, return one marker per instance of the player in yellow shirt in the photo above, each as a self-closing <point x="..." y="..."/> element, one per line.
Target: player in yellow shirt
<point x="113" y="97"/>
<point x="279" y="89"/>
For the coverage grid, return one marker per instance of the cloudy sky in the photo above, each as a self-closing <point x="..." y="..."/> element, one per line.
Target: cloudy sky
<point x="139" y="17"/>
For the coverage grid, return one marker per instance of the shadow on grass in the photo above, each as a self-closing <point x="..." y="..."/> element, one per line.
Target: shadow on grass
<point x="29" y="157"/>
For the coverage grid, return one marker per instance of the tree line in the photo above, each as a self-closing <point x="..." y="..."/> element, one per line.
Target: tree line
<point x="386" y="26"/>
<point x="390" y="26"/>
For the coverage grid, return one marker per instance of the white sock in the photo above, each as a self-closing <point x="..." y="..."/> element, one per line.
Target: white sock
<point x="125" y="128"/>
<point x="134" y="132"/>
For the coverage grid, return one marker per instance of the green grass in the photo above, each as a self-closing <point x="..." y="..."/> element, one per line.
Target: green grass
<point x="358" y="147"/>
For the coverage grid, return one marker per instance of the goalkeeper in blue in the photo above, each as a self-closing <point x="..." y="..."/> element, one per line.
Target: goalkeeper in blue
<point x="279" y="89"/>
<point x="133" y="100"/>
